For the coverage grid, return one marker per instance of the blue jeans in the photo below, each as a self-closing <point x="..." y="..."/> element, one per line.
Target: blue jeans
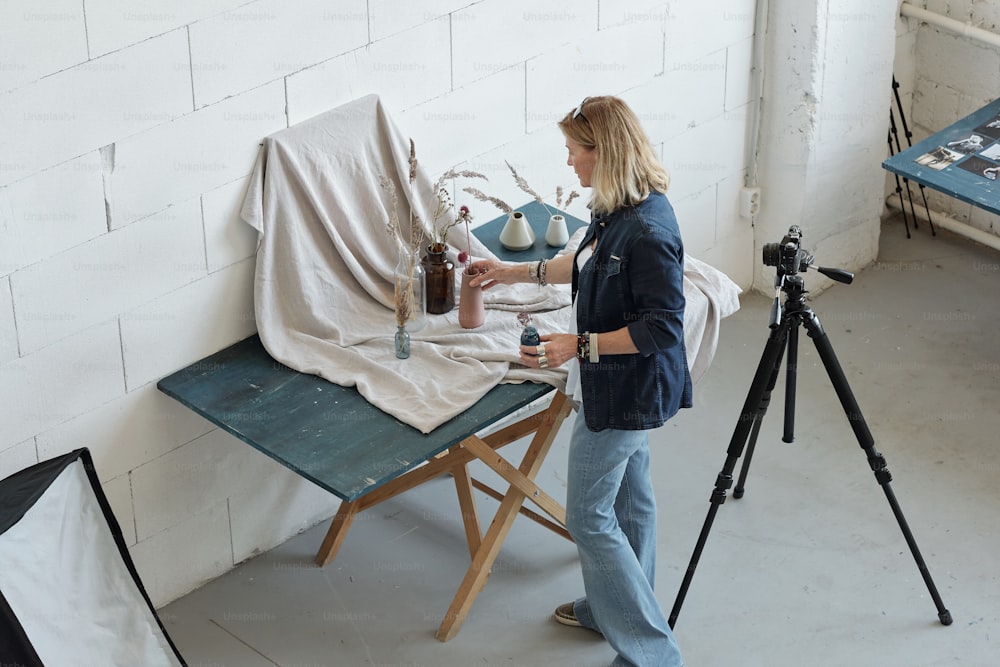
<point x="611" y="515"/>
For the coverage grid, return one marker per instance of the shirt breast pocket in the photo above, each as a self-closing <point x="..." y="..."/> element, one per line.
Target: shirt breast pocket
<point x="613" y="267"/>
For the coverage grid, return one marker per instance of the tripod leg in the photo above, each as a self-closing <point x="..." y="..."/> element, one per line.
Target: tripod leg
<point x="790" y="375"/>
<point x="750" y="416"/>
<point x="876" y="461"/>
<point x="765" y="401"/>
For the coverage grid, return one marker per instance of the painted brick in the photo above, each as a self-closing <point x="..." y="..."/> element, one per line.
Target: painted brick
<point x="480" y="48"/>
<point x="179" y="160"/>
<point x="633" y="11"/>
<point x="188" y="324"/>
<point x="467" y="121"/>
<point x="696" y="215"/>
<point x="227" y="238"/>
<point x="705" y="155"/>
<point x="17" y="457"/>
<point x="739" y="62"/>
<point x="127" y="432"/>
<point x="119" y="494"/>
<point x="37" y="39"/>
<point x="191" y="478"/>
<point x="67" y="379"/>
<point x="558" y="79"/>
<point x="388" y="17"/>
<point x="111" y="274"/>
<point x="283" y="505"/>
<point x="263" y="41"/>
<point x="405" y="69"/>
<point x="730" y="23"/>
<point x="114" y="24"/>
<point x="540" y="158"/>
<point x="83" y="108"/>
<point x="8" y="329"/>
<point x="731" y="253"/>
<point x="52" y="211"/>
<point x="733" y="256"/>
<point x="185" y="556"/>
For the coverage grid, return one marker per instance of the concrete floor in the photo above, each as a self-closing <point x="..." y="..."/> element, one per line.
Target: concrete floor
<point x="808" y="569"/>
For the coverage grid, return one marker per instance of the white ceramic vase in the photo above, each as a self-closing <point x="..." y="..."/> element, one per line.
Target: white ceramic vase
<point x="557" y="234"/>
<point x="517" y="233"/>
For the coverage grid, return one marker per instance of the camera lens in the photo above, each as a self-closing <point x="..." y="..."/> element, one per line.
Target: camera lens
<point x="771" y="254"/>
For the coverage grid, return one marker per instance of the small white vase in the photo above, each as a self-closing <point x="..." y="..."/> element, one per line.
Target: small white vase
<point x="557" y="234"/>
<point x="517" y="233"/>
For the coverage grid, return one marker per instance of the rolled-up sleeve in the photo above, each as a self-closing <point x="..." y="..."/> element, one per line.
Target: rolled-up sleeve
<point x="656" y="276"/>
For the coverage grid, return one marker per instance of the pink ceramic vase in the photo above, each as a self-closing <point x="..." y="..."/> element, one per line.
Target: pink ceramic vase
<point x="471" y="311"/>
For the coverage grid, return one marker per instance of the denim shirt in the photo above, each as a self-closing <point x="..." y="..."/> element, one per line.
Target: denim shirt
<point x="634" y="279"/>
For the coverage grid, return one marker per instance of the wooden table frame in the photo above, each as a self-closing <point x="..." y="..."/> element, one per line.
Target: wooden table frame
<point x="292" y="418"/>
<point x="483" y="549"/>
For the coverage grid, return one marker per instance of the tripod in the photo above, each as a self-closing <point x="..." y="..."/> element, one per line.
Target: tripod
<point x="784" y="323"/>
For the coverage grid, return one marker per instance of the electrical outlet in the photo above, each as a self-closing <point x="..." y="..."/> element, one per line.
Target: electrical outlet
<point x="749" y="202"/>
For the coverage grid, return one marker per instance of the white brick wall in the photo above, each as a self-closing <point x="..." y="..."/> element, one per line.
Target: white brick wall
<point x="202" y="150"/>
<point x="39" y="38"/>
<point x="8" y="330"/>
<point x="93" y="104"/>
<point x="108" y="275"/>
<point x="263" y="41"/>
<point x="72" y="377"/>
<point x="127" y="130"/>
<point x="114" y="24"/>
<point x="52" y="211"/>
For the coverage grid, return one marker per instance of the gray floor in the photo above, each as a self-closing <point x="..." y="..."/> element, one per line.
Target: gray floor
<point x="809" y="568"/>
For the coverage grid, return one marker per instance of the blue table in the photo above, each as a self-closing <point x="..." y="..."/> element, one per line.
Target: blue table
<point x="962" y="160"/>
<point x="333" y="437"/>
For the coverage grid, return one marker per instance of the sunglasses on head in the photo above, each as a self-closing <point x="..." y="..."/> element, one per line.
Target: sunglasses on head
<point x="579" y="110"/>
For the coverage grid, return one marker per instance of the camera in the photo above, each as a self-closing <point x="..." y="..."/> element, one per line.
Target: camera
<point x="788" y="256"/>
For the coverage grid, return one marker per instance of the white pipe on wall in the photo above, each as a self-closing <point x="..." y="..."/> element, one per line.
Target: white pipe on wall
<point x="964" y="29"/>
<point x="951" y="224"/>
<point x="756" y="91"/>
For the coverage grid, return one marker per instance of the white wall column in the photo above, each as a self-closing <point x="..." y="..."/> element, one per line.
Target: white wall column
<point x="823" y="129"/>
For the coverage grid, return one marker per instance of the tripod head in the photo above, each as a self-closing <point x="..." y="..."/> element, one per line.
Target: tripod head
<point x="790" y="258"/>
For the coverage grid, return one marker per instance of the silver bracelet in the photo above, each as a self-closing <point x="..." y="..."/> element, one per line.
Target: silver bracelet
<point x="532" y="272"/>
<point x="594" y="356"/>
<point x="541" y="272"/>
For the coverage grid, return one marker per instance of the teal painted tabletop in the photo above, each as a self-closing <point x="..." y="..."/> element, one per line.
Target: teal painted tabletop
<point x="962" y="160"/>
<point x="326" y="433"/>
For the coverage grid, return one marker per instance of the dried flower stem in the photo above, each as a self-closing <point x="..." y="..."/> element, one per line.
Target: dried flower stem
<point x="482" y="196"/>
<point x="523" y="184"/>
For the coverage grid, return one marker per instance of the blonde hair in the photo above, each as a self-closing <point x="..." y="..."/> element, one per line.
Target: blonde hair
<point x="626" y="169"/>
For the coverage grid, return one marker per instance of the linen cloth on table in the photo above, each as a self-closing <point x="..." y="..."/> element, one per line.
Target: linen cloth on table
<point x="324" y="279"/>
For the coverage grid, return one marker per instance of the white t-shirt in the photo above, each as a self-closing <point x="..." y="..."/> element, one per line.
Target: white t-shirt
<point x="573" y="389"/>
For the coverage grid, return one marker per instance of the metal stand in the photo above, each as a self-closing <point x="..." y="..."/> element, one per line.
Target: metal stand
<point x="896" y="148"/>
<point x="784" y="335"/>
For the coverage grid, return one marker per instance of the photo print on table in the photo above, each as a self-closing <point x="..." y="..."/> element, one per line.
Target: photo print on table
<point x="992" y="153"/>
<point x="981" y="167"/>
<point x="970" y="144"/>
<point x="939" y="158"/>
<point x="990" y="128"/>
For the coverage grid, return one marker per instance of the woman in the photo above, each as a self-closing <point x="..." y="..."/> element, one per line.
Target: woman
<point x="628" y="370"/>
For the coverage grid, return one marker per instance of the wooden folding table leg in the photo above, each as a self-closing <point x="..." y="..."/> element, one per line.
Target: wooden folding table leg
<point x="478" y="572"/>
<point x="338" y="530"/>
<point x="467" y="505"/>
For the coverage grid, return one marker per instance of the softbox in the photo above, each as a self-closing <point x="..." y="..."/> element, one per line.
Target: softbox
<point x="69" y="592"/>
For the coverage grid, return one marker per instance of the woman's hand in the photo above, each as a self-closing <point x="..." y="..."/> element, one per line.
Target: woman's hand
<point x="554" y="351"/>
<point x="493" y="272"/>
